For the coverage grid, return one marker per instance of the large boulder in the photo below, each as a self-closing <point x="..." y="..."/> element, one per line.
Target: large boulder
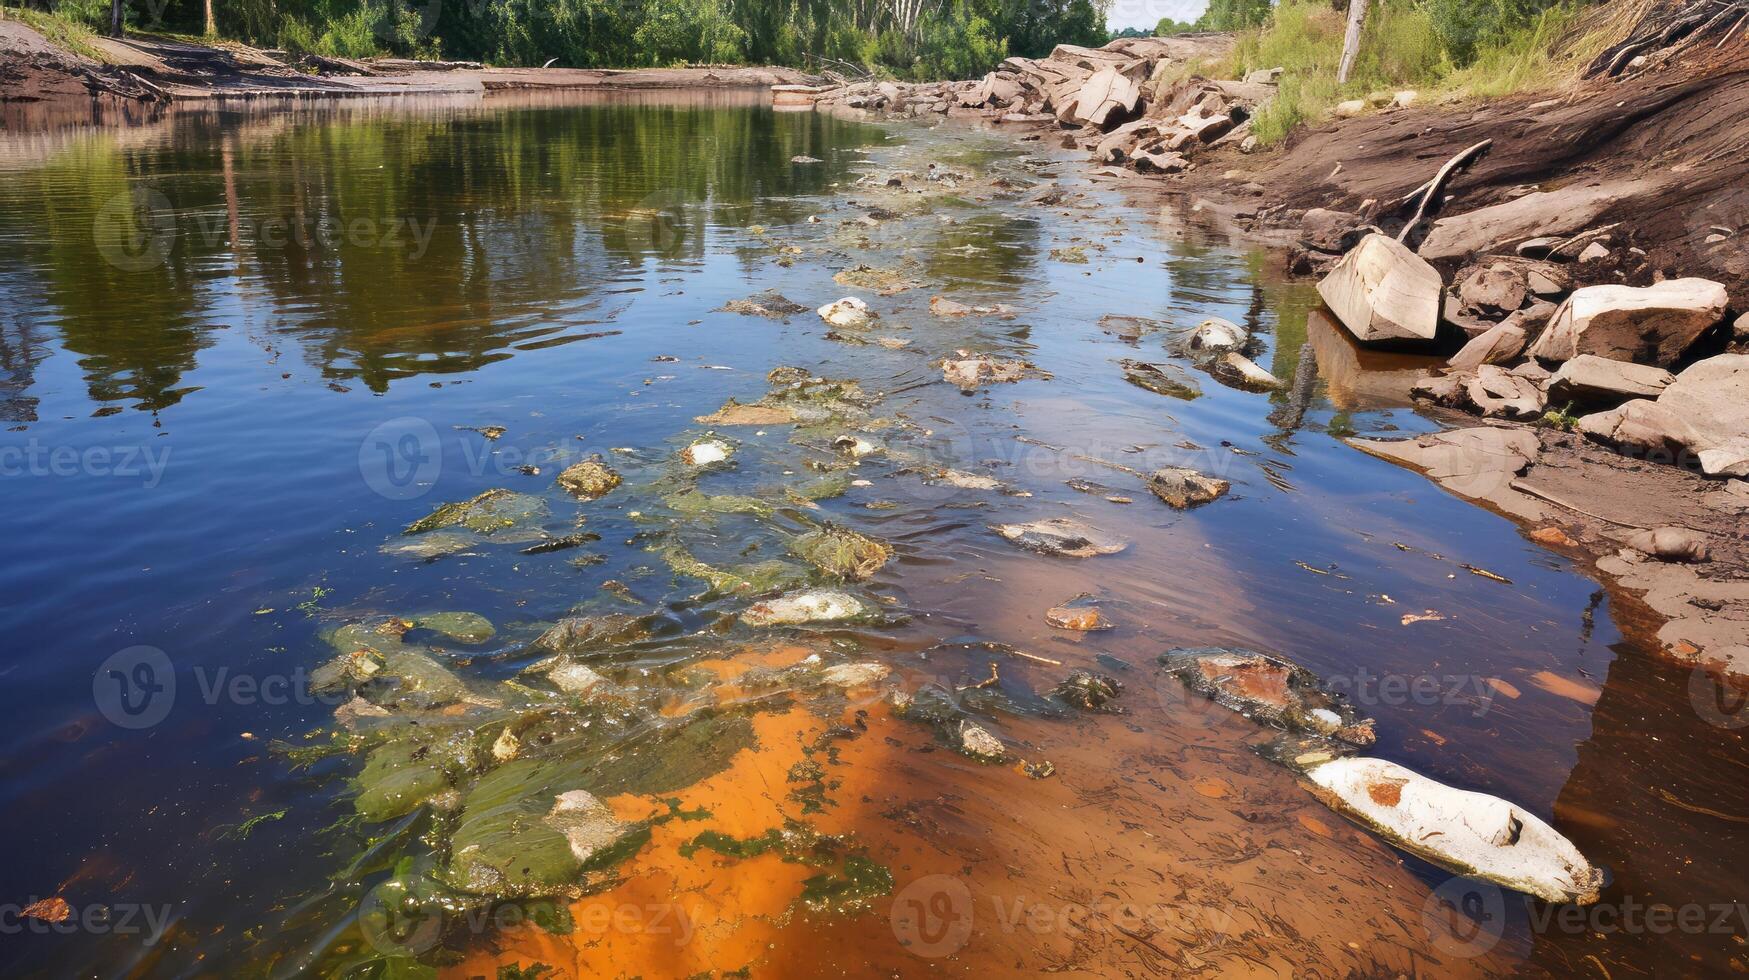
<point x="1702" y="417"/>
<point x="1650" y="325"/>
<point x="1382" y="292"/>
<point x="1589" y="378"/>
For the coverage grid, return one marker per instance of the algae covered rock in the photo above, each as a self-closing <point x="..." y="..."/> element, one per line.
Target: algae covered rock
<point x="490" y="512"/>
<point x="465" y="627"/>
<point x="589" y="480"/>
<point x="841" y="552"/>
<point x="585" y="634"/>
<point x="1090" y="691"/>
<point x="1269" y="689"/>
<point x="402" y="775"/>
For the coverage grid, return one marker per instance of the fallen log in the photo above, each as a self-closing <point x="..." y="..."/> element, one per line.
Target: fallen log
<point x="1434" y="189"/>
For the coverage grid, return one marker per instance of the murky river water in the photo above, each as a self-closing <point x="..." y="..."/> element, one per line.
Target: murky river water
<point x="239" y="354"/>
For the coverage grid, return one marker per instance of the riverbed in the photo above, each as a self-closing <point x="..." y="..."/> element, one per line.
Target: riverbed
<point x="241" y="352"/>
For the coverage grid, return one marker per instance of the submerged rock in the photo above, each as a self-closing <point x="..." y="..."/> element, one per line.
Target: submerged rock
<point x="841" y="552"/>
<point x="1183" y="489"/>
<point x="1472" y="834"/>
<point x="1161" y="379"/>
<point x="490" y="512"/>
<point x="1090" y="691"/>
<point x="798" y="608"/>
<point x="1269" y="689"/>
<point x="1079" y="615"/>
<point x="852" y="676"/>
<point x="584" y="634"/>
<point x="589" y="480"/>
<point x="466" y="627"/>
<point x="1061" y="536"/>
<point x="575" y="678"/>
<point x="586" y="823"/>
<point x="773" y="306"/>
<point x="972" y="371"/>
<point x="431" y="545"/>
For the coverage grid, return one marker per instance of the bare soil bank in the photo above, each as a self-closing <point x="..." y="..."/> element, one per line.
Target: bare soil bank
<point x="147" y="70"/>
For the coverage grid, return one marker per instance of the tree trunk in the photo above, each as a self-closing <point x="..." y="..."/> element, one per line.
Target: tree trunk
<point x="117" y="14"/>
<point x="1351" y="44"/>
<point x="212" y="25"/>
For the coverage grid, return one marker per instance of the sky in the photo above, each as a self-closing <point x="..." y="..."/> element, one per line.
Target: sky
<point x="1147" y="13"/>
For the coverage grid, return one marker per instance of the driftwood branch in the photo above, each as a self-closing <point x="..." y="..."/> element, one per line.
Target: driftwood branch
<point x="1672" y="28"/>
<point x="1434" y="190"/>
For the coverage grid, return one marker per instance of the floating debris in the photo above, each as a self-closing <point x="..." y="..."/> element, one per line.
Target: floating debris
<point x="707" y="452"/>
<point x="847" y="313"/>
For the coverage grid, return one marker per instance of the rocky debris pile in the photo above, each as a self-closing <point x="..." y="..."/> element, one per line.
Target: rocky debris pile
<point x="1120" y="100"/>
<point x="1541" y="349"/>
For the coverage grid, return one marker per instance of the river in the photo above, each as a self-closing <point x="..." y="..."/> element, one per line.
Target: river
<point x="241" y="351"/>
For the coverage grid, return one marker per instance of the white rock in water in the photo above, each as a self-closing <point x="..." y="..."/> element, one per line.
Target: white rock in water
<point x="855" y="445"/>
<point x="1381" y="291"/>
<point x="1473" y="834"/>
<point x="854" y="675"/>
<point x="707" y="451"/>
<point x="1650" y="325"/>
<point x="1216" y="334"/>
<point x="847" y="312"/>
<point x="803" y="607"/>
<point x="575" y="678"/>
<point x="1248" y="372"/>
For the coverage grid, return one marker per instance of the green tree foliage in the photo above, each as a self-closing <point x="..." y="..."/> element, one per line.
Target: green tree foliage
<point x="915" y="39"/>
<point x="1466" y="27"/>
<point x="1236" y="15"/>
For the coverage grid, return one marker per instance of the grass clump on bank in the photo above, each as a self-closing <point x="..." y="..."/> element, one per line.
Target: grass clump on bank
<point x="1439" y="48"/>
